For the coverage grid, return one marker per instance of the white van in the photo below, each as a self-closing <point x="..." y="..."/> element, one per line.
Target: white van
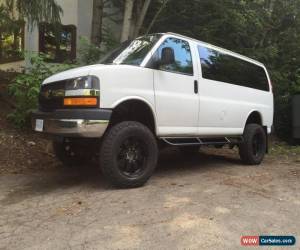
<point x="156" y="90"/>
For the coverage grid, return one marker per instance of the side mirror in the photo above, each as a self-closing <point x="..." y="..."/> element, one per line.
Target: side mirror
<point x="167" y="56"/>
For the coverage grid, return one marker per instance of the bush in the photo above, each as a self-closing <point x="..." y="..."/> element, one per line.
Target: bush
<point x="90" y="53"/>
<point x="25" y="88"/>
<point x="285" y="87"/>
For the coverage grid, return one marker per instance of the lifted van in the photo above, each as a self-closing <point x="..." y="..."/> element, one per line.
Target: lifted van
<point x="156" y="90"/>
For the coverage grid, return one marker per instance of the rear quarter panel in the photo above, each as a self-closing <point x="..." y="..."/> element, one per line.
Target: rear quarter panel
<point x="228" y="106"/>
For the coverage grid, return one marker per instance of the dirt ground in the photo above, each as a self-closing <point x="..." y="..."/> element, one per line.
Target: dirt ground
<point x="203" y="202"/>
<point x="207" y="201"/>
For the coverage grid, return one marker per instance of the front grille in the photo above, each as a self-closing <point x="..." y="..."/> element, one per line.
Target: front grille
<point x="51" y="96"/>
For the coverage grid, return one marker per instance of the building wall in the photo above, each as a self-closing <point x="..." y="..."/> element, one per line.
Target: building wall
<point x="70" y="16"/>
<point x="84" y="14"/>
<point x="75" y="12"/>
<point x="70" y="8"/>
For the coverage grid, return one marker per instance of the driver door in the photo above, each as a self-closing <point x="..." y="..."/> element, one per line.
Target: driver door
<point x="176" y="96"/>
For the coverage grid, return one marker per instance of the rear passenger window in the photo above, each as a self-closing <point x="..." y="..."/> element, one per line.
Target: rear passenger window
<point x="183" y="56"/>
<point x="221" y="67"/>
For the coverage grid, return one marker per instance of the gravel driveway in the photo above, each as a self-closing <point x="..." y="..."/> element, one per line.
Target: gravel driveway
<point x="204" y="202"/>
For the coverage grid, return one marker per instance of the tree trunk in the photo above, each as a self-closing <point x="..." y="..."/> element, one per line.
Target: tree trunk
<point x="96" y="36"/>
<point x="1" y="46"/>
<point x="16" y="40"/>
<point x="141" y="18"/>
<point x="156" y="16"/>
<point x="270" y="5"/>
<point x="127" y="20"/>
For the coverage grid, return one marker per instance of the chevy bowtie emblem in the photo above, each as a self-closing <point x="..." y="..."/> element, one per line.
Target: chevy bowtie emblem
<point x="50" y="93"/>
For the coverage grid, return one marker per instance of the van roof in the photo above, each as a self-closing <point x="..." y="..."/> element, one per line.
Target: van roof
<point x="216" y="47"/>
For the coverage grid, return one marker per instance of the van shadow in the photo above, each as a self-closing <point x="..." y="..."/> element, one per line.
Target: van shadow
<point x="171" y="162"/>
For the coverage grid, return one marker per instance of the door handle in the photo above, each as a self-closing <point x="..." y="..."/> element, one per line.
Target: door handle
<point x="196" y="88"/>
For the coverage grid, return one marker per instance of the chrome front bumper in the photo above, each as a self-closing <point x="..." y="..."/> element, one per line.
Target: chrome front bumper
<point x="72" y="123"/>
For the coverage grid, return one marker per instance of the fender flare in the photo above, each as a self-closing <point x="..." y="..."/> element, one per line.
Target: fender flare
<point x="250" y="113"/>
<point x="137" y="98"/>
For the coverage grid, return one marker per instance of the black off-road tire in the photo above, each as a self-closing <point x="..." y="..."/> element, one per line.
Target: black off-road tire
<point x="253" y="149"/>
<point x="69" y="153"/>
<point x="112" y="154"/>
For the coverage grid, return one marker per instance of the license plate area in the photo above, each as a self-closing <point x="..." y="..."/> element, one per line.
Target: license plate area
<point x="39" y="125"/>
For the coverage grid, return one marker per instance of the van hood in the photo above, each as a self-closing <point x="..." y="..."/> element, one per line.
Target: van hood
<point x="73" y="73"/>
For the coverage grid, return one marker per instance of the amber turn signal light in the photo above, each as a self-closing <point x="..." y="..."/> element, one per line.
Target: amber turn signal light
<point x="80" y="101"/>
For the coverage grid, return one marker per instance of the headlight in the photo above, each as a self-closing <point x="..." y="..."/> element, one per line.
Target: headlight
<point x="86" y="82"/>
<point x="82" y="91"/>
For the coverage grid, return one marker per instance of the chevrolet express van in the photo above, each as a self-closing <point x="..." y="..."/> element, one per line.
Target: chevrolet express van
<point x="158" y="89"/>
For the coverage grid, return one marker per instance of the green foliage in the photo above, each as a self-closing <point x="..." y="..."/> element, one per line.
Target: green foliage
<point x="7" y="23"/>
<point x="35" y="11"/>
<point x="266" y="30"/>
<point x="284" y="150"/>
<point x="10" y="36"/>
<point x="90" y="53"/>
<point x="108" y="40"/>
<point x="5" y="19"/>
<point x="25" y="88"/>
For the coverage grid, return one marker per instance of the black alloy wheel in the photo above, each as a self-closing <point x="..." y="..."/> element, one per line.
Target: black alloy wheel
<point x="253" y="149"/>
<point x="132" y="157"/>
<point x="128" y="154"/>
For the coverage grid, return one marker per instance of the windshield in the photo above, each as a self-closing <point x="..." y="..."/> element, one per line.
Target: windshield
<point x="131" y="52"/>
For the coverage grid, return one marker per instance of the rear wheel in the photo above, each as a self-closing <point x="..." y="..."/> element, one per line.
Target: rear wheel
<point x="128" y="155"/>
<point x="253" y="149"/>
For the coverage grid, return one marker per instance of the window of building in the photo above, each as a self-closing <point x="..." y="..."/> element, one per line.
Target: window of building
<point x="58" y="42"/>
<point x="12" y="43"/>
<point x="183" y="57"/>
<point x="222" y="67"/>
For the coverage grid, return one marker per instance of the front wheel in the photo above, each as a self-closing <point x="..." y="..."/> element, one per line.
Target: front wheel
<point x="253" y="149"/>
<point x="128" y="155"/>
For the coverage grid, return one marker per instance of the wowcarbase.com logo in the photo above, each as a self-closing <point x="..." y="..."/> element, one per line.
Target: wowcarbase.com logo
<point x="268" y="241"/>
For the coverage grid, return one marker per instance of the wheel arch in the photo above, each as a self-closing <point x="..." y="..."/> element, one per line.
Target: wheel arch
<point x="254" y="116"/>
<point x="142" y="103"/>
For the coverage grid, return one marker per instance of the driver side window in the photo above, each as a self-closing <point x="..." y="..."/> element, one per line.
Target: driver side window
<point x="183" y="63"/>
